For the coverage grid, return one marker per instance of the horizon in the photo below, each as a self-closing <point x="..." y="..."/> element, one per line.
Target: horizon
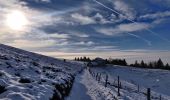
<point x="131" y="30"/>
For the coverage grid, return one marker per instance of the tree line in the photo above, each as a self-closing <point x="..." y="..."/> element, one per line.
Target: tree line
<point x="85" y="59"/>
<point x="154" y="64"/>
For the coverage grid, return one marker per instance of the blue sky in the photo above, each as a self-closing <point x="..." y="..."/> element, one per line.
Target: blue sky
<point x="128" y="29"/>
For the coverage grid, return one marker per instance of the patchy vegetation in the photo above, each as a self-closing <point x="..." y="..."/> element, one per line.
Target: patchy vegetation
<point x="22" y="80"/>
<point x="2" y="89"/>
<point x="27" y="75"/>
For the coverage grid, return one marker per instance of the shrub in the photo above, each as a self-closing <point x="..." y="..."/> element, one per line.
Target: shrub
<point x="3" y="57"/>
<point x="17" y="74"/>
<point x="35" y="63"/>
<point x="43" y="80"/>
<point x="24" y="80"/>
<point x="8" y="65"/>
<point x="1" y="73"/>
<point x="2" y="89"/>
<point x="57" y="96"/>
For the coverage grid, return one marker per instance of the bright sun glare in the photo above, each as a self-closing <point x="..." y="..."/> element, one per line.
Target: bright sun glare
<point x="16" y="20"/>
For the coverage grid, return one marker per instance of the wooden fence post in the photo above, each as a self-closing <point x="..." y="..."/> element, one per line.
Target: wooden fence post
<point x="138" y="88"/>
<point x="106" y="81"/>
<point x="97" y="76"/>
<point x="89" y="71"/>
<point x="120" y="85"/>
<point x="160" y="97"/>
<point x="148" y="94"/>
<point x="118" y="91"/>
<point x="93" y="74"/>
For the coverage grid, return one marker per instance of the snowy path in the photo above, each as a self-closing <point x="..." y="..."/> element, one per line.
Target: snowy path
<point x="86" y="88"/>
<point x="79" y="91"/>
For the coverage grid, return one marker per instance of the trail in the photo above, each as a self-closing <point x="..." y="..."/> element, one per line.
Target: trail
<point x="86" y="87"/>
<point x="79" y="90"/>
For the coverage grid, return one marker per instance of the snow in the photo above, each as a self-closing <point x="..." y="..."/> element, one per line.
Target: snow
<point x="87" y="88"/>
<point x="30" y="76"/>
<point x="79" y="91"/>
<point x="156" y="79"/>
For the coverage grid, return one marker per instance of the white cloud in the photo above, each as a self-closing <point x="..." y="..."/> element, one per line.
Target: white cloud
<point x="46" y="1"/>
<point x="57" y="35"/>
<point x="32" y="43"/>
<point x="100" y="19"/>
<point x="156" y="15"/>
<point x="84" y="20"/>
<point x="124" y="8"/>
<point x="123" y="28"/>
<point x="83" y="43"/>
<point x="80" y="34"/>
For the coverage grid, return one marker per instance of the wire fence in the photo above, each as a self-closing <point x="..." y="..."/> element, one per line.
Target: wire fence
<point x="121" y="85"/>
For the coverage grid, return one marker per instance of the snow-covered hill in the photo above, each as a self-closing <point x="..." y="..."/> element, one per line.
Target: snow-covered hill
<point x="29" y="76"/>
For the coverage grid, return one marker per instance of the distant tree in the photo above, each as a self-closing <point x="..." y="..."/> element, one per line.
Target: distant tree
<point x="75" y="59"/>
<point x="142" y="64"/>
<point x="167" y="66"/>
<point x="78" y="59"/>
<point x="124" y="62"/>
<point x="81" y="58"/>
<point x="160" y="63"/>
<point x="88" y="59"/>
<point x="107" y="61"/>
<point x="85" y="59"/>
<point x="150" y="65"/>
<point x="136" y="64"/>
<point x="132" y="65"/>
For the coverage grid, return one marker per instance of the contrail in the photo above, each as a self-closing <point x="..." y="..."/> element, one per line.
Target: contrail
<point x="130" y="20"/>
<point x="139" y="37"/>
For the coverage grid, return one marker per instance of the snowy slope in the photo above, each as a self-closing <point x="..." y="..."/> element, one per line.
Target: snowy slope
<point x="87" y="88"/>
<point x="29" y="76"/>
<point x="156" y="79"/>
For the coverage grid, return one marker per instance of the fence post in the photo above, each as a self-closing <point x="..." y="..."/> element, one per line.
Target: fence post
<point x="160" y="97"/>
<point x="97" y="76"/>
<point x="106" y="80"/>
<point x="138" y="88"/>
<point x="148" y="94"/>
<point x="94" y="74"/>
<point x="89" y="71"/>
<point x="118" y="91"/>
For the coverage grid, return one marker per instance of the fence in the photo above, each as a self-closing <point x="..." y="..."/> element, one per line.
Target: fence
<point x="104" y="78"/>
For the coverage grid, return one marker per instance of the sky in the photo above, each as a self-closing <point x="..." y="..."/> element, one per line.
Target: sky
<point x="130" y="29"/>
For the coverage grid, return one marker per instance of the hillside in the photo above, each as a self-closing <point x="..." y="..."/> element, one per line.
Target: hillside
<point x="29" y="76"/>
<point x="135" y="81"/>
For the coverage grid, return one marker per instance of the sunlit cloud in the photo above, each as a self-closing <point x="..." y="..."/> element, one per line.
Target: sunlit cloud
<point x="84" y="28"/>
<point x="123" y="28"/>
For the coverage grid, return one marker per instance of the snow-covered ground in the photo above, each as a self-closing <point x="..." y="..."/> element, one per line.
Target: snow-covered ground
<point x="156" y="79"/>
<point x="87" y="88"/>
<point x="29" y="76"/>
